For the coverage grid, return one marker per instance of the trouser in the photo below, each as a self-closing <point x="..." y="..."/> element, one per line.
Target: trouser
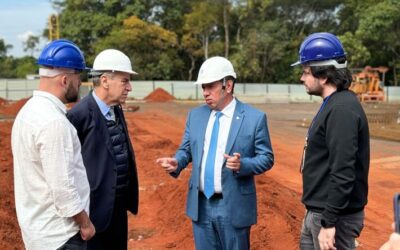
<point x="348" y="228"/>
<point x="115" y="237"/>
<point x="74" y="243"/>
<point x="213" y="229"/>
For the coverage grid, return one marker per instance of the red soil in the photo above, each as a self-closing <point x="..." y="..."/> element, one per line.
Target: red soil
<point x="159" y="95"/>
<point x="11" y="109"/>
<point x="156" y="130"/>
<point x="3" y="101"/>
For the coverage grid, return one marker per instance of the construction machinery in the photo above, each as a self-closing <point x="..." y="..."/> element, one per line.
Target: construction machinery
<point x="367" y="85"/>
<point x="54" y="27"/>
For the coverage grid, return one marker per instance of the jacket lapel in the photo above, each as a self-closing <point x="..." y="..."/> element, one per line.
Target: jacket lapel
<point x="237" y="120"/>
<point x="99" y="119"/>
<point x="202" y="126"/>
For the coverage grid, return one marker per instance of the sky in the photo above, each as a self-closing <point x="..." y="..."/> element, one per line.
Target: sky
<point x="21" y="18"/>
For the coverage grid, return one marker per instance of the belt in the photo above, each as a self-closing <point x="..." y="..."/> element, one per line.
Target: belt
<point x="215" y="196"/>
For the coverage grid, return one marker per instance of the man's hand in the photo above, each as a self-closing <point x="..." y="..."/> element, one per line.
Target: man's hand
<point x="168" y="164"/>
<point x="326" y="238"/>
<point x="87" y="229"/>
<point x="233" y="162"/>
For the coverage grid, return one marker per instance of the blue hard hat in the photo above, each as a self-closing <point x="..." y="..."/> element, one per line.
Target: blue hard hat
<point x="321" y="46"/>
<point x="62" y="53"/>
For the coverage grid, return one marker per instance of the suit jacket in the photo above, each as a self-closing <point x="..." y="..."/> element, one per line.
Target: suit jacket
<point x="248" y="136"/>
<point x="99" y="161"/>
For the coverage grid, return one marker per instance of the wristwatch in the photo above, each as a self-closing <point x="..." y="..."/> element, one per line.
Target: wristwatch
<point x="325" y="224"/>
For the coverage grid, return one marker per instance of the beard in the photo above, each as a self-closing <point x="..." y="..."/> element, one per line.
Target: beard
<point x="72" y="94"/>
<point x="314" y="89"/>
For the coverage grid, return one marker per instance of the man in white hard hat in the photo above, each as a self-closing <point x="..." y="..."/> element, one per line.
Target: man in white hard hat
<point x="107" y="150"/>
<point x="228" y="144"/>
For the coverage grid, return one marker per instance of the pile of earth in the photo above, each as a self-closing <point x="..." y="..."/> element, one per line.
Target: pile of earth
<point x="159" y="95"/>
<point x="11" y="108"/>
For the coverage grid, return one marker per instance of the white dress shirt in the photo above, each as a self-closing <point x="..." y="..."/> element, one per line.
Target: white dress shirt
<point x="224" y="127"/>
<point x="50" y="181"/>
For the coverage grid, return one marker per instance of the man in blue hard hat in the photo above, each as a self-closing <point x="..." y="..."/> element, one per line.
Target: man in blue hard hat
<point x="336" y="154"/>
<point x="51" y="185"/>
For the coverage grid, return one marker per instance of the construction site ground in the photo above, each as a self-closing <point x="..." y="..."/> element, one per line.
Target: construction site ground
<point x="156" y="130"/>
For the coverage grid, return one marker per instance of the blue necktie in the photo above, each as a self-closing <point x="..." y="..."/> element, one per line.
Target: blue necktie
<point x="111" y="114"/>
<point x="210" y="161"/>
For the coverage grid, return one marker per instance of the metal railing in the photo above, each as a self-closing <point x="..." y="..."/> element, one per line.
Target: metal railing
<point x="15" y="89"/>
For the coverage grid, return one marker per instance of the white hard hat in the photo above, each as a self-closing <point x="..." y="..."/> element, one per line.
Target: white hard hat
<point x="113" y="60"/>
<point x="214" y="69"/>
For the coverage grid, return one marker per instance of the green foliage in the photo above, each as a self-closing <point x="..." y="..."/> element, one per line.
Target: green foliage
<point x="202" y="23"/>
<point x="17" y="67"/>
<point x="7" y="67"/>
<point x="152" y="49"/>
<point x="85" y="29"/>
<point x="31" y="43"/>
<point x="4" y="48"/>
<point x="357" y="54"/>
<point x="169" y="39"/>
<point x="26" y="65"/>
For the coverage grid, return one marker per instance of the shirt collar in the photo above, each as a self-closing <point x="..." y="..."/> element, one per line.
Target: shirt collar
<point x="54" y="99"/>
<point x="228" y="110"/>
<point x="104" y="108"/>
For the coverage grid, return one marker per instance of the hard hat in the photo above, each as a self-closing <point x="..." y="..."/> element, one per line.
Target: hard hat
<point x="214" y="69"/>
<point x="62" y="53"/>
<point x="113" y="60"/>
<point x="321" y="49"/>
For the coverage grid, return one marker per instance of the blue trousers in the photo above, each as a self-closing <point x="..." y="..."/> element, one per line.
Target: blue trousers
<point x="213" y="230"/>
<point x="348" y="228"/>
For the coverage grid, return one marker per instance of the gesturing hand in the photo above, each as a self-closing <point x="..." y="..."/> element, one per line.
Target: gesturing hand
<point x="168" y="164"/>
<point x="233" y="162"/>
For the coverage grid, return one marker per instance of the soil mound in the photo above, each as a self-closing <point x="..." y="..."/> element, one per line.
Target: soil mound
<point x="159" y="95"/>
<point x="12" y="109"/>
<point x="3" y="101"/>
<point x="130" y="108"/>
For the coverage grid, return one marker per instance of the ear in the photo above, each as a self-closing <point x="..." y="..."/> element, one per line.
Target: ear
<point x="63" y="80"/>
<point x="104" y="82"/>
<point x="323" y="81"/>
<point x="229" y="86"/>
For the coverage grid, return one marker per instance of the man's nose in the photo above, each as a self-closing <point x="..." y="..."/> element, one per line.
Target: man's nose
<point x="129" y="87"/>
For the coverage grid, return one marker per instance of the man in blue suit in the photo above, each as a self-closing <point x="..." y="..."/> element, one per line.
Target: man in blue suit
<point x="107" y="151"/>
<point x="228" y="144"/>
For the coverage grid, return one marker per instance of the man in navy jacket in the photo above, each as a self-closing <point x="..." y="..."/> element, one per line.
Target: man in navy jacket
<point x="107" y="151"/>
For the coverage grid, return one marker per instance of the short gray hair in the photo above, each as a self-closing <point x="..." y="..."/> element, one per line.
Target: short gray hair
<point x="96" y="75"/>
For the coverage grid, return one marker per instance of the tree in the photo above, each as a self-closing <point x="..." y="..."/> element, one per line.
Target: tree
<point x="152" y="49"/>
<point x="87" y="21"/>
<point x="226" y="7"/>
<point x="357" y="54"/>
<point x="379" y="28"/>
<point x="25" y="65"/>
<point x="202" y="22"/>
<point x="4" y="48"/>
<point x="31" y="43"/>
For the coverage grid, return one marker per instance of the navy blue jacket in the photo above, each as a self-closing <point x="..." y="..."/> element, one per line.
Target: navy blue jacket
<point x="99" y="161"/>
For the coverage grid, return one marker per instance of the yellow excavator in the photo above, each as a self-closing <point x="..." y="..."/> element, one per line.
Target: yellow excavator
<point x="366" y="84"/>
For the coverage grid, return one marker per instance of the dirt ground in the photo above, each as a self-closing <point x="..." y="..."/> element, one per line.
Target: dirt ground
<point x="156" y="130"/>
